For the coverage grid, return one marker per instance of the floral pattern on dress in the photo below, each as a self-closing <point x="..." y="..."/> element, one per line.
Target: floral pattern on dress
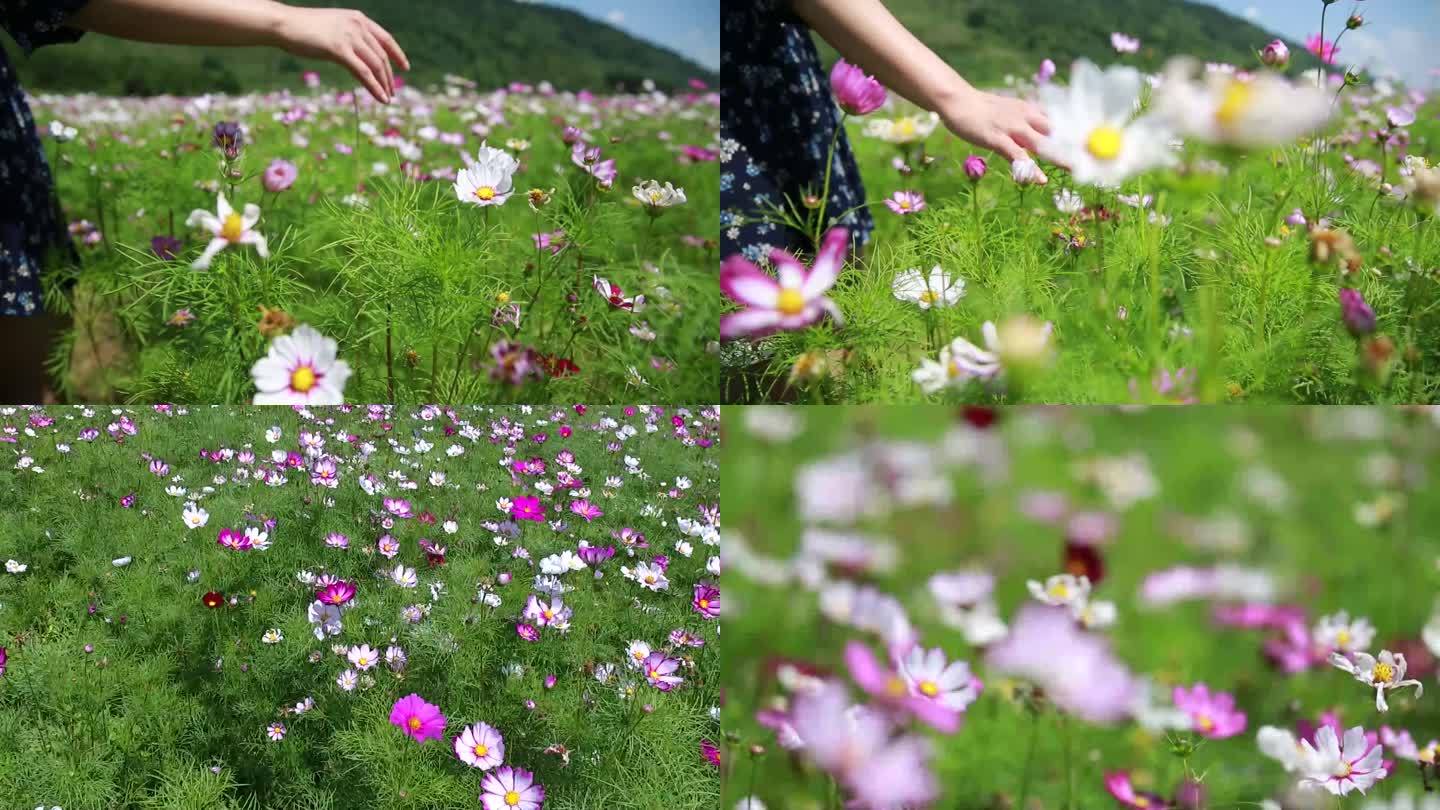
<point x="777" y="121"/>
<point x="31" y="225"/>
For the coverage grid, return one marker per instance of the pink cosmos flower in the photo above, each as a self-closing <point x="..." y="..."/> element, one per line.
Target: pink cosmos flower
<point x="510" y="788"/>
<point x="855" y="92"/>
<point x="422" y="721"/>
<point x="906" y="202"/>
<point x="890" y="688"/>
<point x="480" y="746"/>
<point x="4" y="657"/>
<point x="336" y="593"/>
<point x="553" y="241"/>
<point x="1124" y="44"/>
<point x="585" y="509"/>
<point x="234" y="540"/>
<point x="707" y="600"/>
<point x="1323" y="48"/>
<point x="527" y="507"/>
<point x="793" y="302"/>
<point x="1077" y="669"/>
<point x="1046" y="72"/>
<point x="659" y="670"/>
<point x="975" y="167"/>
<point x="1118" y="783"/>
<point x="1340" y="769"/>
<point x="854" y="745"/>
<point x="1213" y="716"/>
<point x="711" y="752"/>
<point x="528" y="632"/>
<point x="279" y="175"/>
<point x="588" y="158"/>
<point x="546" y="614"/>
<point x="1276" y="54"/>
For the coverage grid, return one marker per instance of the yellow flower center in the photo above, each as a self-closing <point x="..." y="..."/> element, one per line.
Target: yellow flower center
<point x="414" y="724"/>
<point x="791" y="302"/>
<point x="895" y="687"/>
<point x="929" y="296"/>
<point x="1384" y="673"/>
<point x="232" y="228"/>
<point x="929" y="688"/>
<point x="654" y="198"/>
<point x="1205" y="723"/>
<point x="1059" y="591"/>
<point x="503" y="297"/>
<point x="704" y="603"/>
<point x="655" y="673"/>
<point x="1142" y="801"/>
<point x="549" y="614"/>
<point x="481" y="750"/>
<point x="905" y="127"/>
<point x="512" y="798"/>
<point x="1104" y="142"/>
<point x="1234" y="103"/>
<point x="1343" y="769"/>
<point x="1342" y="638"/>
<point x="361" y="661"/>
<point x="650" y="580"/>
<point x="485" y="192"/>
<point x="905" y="204"/>
<point x="302" y="379"/>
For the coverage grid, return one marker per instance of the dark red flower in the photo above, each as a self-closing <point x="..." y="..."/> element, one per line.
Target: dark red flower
<point x="1084" y="560"/>
<point x="213" y="599"/>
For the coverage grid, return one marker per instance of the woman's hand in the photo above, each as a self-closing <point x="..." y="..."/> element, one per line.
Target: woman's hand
<point x="349" y="39"/>
<point x="1010" y="126"/>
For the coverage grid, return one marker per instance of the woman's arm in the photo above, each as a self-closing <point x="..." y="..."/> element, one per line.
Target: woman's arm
<point x="345" y="37"/>
<point x="867" y="34"/>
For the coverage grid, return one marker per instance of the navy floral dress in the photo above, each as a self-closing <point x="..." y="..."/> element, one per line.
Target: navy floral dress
<point x="31" y="226"/>
<point x="777" y="119"/>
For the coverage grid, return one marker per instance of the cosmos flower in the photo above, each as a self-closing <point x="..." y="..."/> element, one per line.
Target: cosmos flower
<point x="659" y="671"/>
<point x="706" y="601"/>
<point x="1356" y="766"/>
<point x="488" y="179"/>
<point x="794" y="301"/>
<point x="1123" y="43"/>
<point x="1324" y="49"/>
<point x="4" y="659"/>
<point x="585" y="509"/>
<point x="527" y="507"/>
<point x="614" y="296"/>
<point x="279" y="175"/>
<point x="1061" y="589"/>
<point x="904" y="129"/>
<point x="275" y="731"/>
<point x="325" y="618"/>
<point x="234" y="540"/>
<point x="194" y="516"/>
<point x="656" y="198"/>
<point x="1118" y="783"/>
<point x="1251" y="111"/>
<point x="480" y="746"/>
<point x="227" y="227"/>
<point x="1076" y="669"/>
<point x="363" y="656"/>
<point x="1383" y="673"/>
<point x="1093" y="128"/>
<point x="212" y="599"/>
<point x="301" y="368"/>
<point x="422" y="721"/>
<point x="554" y="613"/>
<point x="928" y="676"/>
<point x="648" y="575"/>
<point x="1338" y="632"/>
<point x="856" y="92"/>
<point x="588" y="158"/>
<point x="336" y="593"/>
<point x="905" y="202"/>
<point x="508" y="788"/>
<point x="1212" y="715"/>
<point x="938" y="289"/>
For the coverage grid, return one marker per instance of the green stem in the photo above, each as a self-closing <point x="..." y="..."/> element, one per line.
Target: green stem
<point x="1069" y="757"/>
<point x="825" y="191"/>
<point x="1029" y="760"/>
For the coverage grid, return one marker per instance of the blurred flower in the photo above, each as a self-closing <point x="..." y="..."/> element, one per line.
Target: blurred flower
<point x="1276" y="54"/>
<point x="1092" y="129"/>
<point x="975" y="167"/>
<point x="904" y="129"/>
<point x="1046" y="71"/>
<point x="855" y="92"/>
<point x="1026" y="172"/>
<point x="1212" y="715"/>
<point x="939" y="289"/>
<point x="279" y="175"/>
<point x="854" y="745"/>
<point x="1259" y="110"/>
<point x="1338" y="632"/>
<point x="1359" y="318"/>
<point x="1118" y="783"/>
<point x="614" y="296"/>
<point x="1324" y="49"/>
<point x="1123" y="43"/>
<point x="1076" y="669"/>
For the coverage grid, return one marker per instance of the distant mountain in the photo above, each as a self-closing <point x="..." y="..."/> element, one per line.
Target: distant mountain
<point x="986" y="39"/>
<point x="493" y="42"/>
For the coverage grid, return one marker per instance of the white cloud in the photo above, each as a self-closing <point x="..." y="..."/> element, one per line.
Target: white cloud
<point x="615" y="16"/>
<point x="1252" y="13"/>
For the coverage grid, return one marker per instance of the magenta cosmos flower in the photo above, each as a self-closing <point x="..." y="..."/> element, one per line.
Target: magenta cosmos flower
<point x="279" y="175"/>
<point x="795" y="301"/>
<point x="4" y="657"/>
<point x="906" y="202"/>
<point x="234" y="540"/>
<point x="1323" y="48"/>
<point x="419" y="719"/>
<point x="336" y="593"/>
<point x="585" y="509"/>
<point x="511" y="789"/>
<point x="660" y="671"/>
<point x="480" y="746"/>
<point x="707" y="600"/>
<point x="1118" y="783"/>
<point x="1212" y="715"/>
<point x="855" y="92"/>
<point x="527" y="507"/>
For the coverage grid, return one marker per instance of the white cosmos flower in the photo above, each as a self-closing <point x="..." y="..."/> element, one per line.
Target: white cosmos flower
<point x="979" y="623"/>
<point x="301" y="369"/>
<point x="1096" y="615"/>
<point x="487" y="180"/>
<point x="1340" y="770"/>
<point x="959" y="362"/>
<point x="326" y="619"/>
<point x="1068" y="202"/>
<point x="1338" y="632"/>
<point x="194" y="516"/>
<point x="1281" y="745"/>
<point x="404" y="577"/>
<point x="363" y="656"/>
<point x="1383" y="673"/>
<point x="1262" y="109"/>
<point x="1026" y="172"/>
<point x="272" y="636"/>
<point x="655" y="196"/>
<point x="1061" y="589"/>
<point x="1093" y="129"/>
<point x="939" y="289"/>
<point x="557" y="564"/>
<point x="905" y="129"/>
<point x="927" y="675"/>
<point x="227" y="227"/>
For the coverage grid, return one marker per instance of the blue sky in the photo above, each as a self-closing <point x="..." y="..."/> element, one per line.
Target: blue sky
<point x="688" y="27"/>
<point x="1400" y="35"/>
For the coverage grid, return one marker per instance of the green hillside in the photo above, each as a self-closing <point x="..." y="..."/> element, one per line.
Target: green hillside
<point x="493" y="42"/>
<point x="986" y="39"/>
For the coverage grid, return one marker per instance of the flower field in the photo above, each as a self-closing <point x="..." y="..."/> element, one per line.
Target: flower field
<point x="462" y="245"/>
<point x="1191" y="233"/>
<point x="371" y="606"/>
<point x="1081" y="608"/>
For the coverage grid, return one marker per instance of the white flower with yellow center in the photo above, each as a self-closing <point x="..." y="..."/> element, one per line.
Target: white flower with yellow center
<point x="927" y="675"/>
<point x="1338" y="632"/>
<point x="1061" y="589"/>
<point x="1096" y="615"/>
<point x="488" y="179"/>
<point x="1261" y="109"/>
<point x="939" y="289"/>
<point x="904" y="129"/>
<point x="657" y="197"/>
<point x="227" y="227"/>
<point x="1093" y="128"/>
<point x="1383" y="673"/>
<point x="301" y="369"/>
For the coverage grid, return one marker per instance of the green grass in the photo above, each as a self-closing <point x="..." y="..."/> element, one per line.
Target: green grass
<point x="402" y="274"/>
<point x="1256" y="321"/>
<point x="172" y="689"/>
<point x="1321" y="557"/>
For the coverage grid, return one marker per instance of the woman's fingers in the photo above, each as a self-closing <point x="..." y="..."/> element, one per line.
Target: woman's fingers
<point x="1037" y="119"/>
<point x="376" y="62"/>
<point x="387" y="72"/>
<point x="391" y="46"/>
<point x="1007" y="146"/>
<point x="361" y="71"/>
